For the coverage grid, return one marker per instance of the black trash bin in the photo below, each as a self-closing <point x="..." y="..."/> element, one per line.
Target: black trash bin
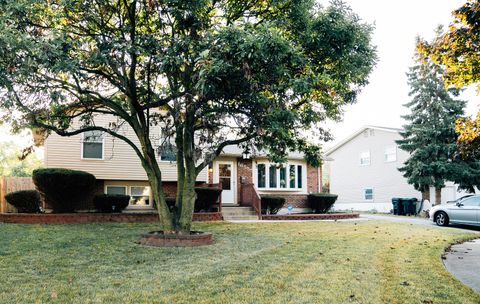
<point x="396" y="205"/>
<point x="410" y="205"/>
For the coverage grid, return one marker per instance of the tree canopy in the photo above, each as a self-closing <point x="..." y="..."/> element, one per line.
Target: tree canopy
<point x="259" y="74"/>
<point x="458" y="49"/>
<point x="429" y="135"/>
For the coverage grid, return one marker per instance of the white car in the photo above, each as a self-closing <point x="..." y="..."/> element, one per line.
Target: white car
<point x="465" y="211"/>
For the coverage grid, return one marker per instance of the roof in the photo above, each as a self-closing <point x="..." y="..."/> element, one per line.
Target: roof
<point x="355" y="134"/>
<point x="234" y="150"/>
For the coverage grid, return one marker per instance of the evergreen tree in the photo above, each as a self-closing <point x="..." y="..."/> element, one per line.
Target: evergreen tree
<point x="430" y="136"/>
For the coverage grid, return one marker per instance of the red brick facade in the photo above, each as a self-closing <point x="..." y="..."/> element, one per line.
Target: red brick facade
<point x="304" y="217"/>
<point x="76" y="218"/>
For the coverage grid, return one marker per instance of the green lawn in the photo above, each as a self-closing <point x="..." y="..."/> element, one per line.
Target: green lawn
<point x="311" y="262"/>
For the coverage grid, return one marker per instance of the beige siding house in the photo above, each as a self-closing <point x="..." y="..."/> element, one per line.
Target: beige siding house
<point x="118" y="170"/>
<point x="363" y="171"/>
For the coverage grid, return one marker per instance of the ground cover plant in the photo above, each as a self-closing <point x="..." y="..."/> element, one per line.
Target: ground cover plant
<point x="308" y="262"/>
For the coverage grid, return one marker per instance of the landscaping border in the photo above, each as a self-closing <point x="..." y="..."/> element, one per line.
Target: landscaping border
<point x="85" y="218"/>
<point x="312" y="216"/>
<point x="158" y="239"/>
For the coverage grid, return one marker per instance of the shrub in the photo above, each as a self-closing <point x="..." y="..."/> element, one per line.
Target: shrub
<point x="272" y="204"/>
<point x="111" y="202"/>
<point x="64" y="189"/>
<point x="206" y="198"/>
<point x="321" y="202"/>
<point x="26" y="201"/>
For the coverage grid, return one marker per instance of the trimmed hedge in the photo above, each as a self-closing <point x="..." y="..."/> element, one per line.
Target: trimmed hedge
<point x="63" y="189"/>
<point x="206" y="197"/>
<point x="272" y="204"/>
<point x="321" y="202"/>
<point x="111" y="202"/>
<point x="26" y="201"/>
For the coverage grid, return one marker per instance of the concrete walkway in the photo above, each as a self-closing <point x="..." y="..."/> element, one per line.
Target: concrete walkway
<point x="463" y="261"/>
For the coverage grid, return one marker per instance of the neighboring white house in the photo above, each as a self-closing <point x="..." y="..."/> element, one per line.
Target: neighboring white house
<point x="364" y="171"/>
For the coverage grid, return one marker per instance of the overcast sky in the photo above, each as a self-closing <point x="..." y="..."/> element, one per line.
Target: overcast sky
<point x="397" y="24"/>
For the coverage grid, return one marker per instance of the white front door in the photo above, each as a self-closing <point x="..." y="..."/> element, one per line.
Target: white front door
<point x="225" y="174"/>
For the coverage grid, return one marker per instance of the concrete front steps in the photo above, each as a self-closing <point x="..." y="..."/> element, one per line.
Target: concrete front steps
<point x="238" y="213"/>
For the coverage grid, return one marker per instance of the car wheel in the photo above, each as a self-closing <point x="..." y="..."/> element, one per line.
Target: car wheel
<point x="441" y="219"/>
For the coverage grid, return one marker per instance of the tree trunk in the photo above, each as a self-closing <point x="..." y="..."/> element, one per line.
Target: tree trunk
<point x="438" y="196"/>
<point x="426" y="194"/>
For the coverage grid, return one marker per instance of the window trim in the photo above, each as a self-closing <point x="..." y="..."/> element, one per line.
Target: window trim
<point x="128" y="191"/>
<point x="385" y="154"/>
<point x="364" y="194"/>
<point x="369" y="158"/>
<point x="287" y="176"/>
<point x="122" y="186"/>
<point x="103" y="148"/>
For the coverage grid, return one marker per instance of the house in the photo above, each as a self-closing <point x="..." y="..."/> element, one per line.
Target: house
<point x="118" y="170"/>
<point x="363" y="171"/>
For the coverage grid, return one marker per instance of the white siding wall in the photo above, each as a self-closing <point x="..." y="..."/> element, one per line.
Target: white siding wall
<point x="120" y="160"/>
<point x="348" y="178"/>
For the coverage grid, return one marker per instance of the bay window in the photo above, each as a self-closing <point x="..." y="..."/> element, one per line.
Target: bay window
<point x="287" y="176"/>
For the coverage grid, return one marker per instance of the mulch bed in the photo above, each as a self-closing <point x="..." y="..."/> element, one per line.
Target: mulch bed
<point x="159" y="239"/>
<point x="310" y="216"/>
<point x="76" y="218"/>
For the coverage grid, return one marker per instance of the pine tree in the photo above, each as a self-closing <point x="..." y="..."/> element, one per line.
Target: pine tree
<point x="429" y="135"/>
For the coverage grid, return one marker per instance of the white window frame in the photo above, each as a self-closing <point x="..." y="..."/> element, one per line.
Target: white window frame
<point x="128" y="191"/>
<point x="369" y="158"/>
<point x="385" y="154"/>
<point x="287" y="176"/>
<point x="119" y="186"/>
<point x="365" y="194"/>
<point x="103" y="148"/>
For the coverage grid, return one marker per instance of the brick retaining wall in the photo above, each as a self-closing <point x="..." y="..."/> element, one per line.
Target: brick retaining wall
<point x="76" y="218"/>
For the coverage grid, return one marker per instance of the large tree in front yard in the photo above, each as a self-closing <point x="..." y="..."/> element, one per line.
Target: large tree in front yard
<point x="209" y="73"/>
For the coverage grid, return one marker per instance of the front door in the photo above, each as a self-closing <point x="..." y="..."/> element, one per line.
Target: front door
<point x="226" y="176"/>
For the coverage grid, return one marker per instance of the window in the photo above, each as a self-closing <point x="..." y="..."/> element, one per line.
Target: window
<point x="140" y="196"/>
<point x="92" y="145"/>
<point x="116" y="190"/>
<point x="288" y="176"/>
<point x="261" y="176"/>
<point x="365" y="158"/>
<point x="273" y="176"/>
<point x="225" y="176"/>
<point x="471" y="201"/>
<point x="299" y="175"/>
<point x="390" y="154"/>
<point x="368" y="194"/>
<point x="168" y="152"/>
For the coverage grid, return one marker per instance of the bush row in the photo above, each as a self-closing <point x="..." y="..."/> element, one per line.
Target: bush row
<point x="321" y="202"/>
<point x="205" y="201"/>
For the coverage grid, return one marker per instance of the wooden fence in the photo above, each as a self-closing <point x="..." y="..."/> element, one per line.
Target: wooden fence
<point x="10" y="184"/>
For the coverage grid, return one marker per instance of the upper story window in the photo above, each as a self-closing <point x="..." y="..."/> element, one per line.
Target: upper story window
<point x="390" y="154"/>
<point x="365" y="158"/>
<point x="272" y="176"/>
<point x="368" y="194"/>
<point x="167" y="149"/>
<point x="92" y="145"/>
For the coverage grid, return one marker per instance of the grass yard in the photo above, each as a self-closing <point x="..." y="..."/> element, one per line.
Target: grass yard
<point x="311" y="262"/>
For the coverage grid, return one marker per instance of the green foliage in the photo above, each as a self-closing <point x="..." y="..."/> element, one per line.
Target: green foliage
<point x="64" y="189"/>
<point x="111" y="202"/>
<point x="430" y="136"/>
<point x="259" y="74"/>
<point x="321" y="202"/>
<point x="11" y="165"/>
<point x="206" y="198"/>
<point x="26" y="201"/>
<point x="272" y="204"/>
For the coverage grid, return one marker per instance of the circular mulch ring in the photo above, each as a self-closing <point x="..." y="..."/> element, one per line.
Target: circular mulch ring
<point x="159" y="239"/>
